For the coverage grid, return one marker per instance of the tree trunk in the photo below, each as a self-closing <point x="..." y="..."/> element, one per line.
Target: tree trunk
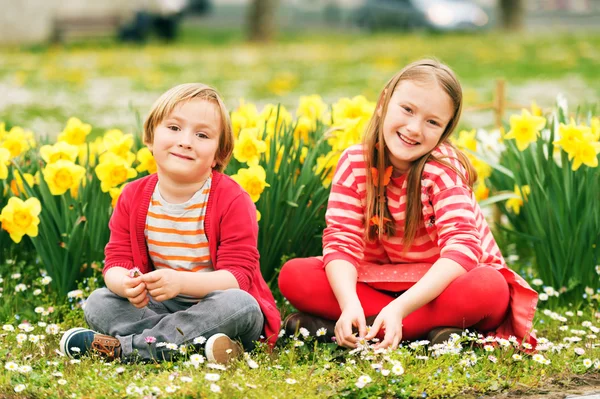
<point x="261" y="20"/>
<point x="511" y="14"/>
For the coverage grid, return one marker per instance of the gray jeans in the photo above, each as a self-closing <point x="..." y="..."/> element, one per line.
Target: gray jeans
<point x="233" y="312"/>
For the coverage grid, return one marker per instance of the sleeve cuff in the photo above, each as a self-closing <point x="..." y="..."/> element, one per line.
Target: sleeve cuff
<point x="124" y="265"/>
<point x="341" y="256"/>
<point x="465" y="261"/>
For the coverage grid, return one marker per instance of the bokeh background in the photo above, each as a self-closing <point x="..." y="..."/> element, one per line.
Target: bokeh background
<point x="106" y="61"/>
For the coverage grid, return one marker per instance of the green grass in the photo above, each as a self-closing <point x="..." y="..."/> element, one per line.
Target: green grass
<point x="297" y="368"/>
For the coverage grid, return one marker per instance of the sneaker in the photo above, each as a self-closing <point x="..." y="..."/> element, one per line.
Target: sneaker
<point x="222" y="349"/>
<point x="442" y="334"/>
<point x="318" y="327"/>
<point x="79" y="341"/>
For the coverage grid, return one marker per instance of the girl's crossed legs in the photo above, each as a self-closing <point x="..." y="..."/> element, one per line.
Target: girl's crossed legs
<point x="477" y="299"/>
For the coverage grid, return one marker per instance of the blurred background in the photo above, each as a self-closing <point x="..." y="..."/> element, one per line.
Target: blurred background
<point x="106" y="61"/>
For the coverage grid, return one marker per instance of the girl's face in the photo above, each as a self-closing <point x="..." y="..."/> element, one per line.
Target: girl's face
<point x="186" y="142"/>
<point x="416" y="118"/>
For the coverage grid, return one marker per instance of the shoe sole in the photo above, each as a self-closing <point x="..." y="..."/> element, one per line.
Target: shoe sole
<point x="217" y="346"/>
<point x="65" y="338"/>
<point x="441" y="335"/>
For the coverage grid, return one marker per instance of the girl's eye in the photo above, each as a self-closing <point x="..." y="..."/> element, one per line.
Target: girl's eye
<point x="174" y="128"/>
<point x="434" y="123"/>
<point x="201" y="135"/>
<point x="407" y="109"/>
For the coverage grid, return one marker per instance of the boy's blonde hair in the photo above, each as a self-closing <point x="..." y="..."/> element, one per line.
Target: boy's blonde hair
<point x="167" y="102"/>
<point x="426" y="70"/>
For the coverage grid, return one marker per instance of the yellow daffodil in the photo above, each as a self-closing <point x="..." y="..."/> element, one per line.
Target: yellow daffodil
<point x="274" y="118"/>
<point x="17" y="141"/>
<point x="595" y="126"/>
<point x="312" y="107"/>
<point x="535" y="109"/>
<point x="571" y="135"/>
<point x="113" y="171"/>
<point x="16" y="185"/>
<point x="466" y="140"/>
<point x="119" y="144"/>
<point x="248" y="147"/>
<point x="146" y="161"/>
<point x="525" y="129"/>
<point x="75" y="132"/>
<point x="516" y="203"/>
<point x="60" y="150"/>
<point x="258" y="216"/>
<point x="88" y="153"/>
<point x="352" y="108"/>
<point x="481" y="190"/>
<point x="347" y="133"/>
<point x="115" y="192"/>
<point x="62" y="175"/>
<point x="304" y="126"/>
<point x="585" y="152"/>
<point x="253" y="180"/>
<point x="2" y="130"/>
<point x="4" y="162"/>
<point x="483" y="169"/>
<point x="329" y="162"/>
<point x="245" y="116"/>
<point x="283" y="83"/>
<point x="21" y="217"/>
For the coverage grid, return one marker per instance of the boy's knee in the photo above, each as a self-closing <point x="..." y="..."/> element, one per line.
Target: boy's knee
<point x="239" y="299"/>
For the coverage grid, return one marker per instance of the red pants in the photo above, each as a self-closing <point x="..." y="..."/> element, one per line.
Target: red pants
<point x="477" y="299"/>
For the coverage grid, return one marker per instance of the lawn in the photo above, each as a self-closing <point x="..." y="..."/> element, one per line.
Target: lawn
<point x="568" y="358"/>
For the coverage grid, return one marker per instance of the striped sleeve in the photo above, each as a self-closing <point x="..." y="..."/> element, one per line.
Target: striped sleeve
<point x="452" y="199"/>
<point x="343" y="236"/>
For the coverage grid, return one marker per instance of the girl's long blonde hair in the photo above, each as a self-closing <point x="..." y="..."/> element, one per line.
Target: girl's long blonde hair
<point x="378" y="219"/>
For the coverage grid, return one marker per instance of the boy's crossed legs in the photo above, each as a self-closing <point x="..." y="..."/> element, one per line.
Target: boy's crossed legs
<point x="233" y="312"/>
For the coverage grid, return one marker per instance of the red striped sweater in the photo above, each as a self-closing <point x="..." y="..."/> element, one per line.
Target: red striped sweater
<point x="453" y="227"/>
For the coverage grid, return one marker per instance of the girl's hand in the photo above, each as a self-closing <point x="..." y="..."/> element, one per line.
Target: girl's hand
<point x="135" y="291"/>
<point x="389" y="318"/>
<point x="352" y="315"/>
<point x="163" y="284"/>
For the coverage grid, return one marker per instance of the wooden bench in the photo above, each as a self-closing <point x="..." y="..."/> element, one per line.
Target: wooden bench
<point x="83" y="26"/>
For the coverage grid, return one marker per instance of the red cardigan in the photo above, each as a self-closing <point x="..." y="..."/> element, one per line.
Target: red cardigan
<point x="231" y="229"/>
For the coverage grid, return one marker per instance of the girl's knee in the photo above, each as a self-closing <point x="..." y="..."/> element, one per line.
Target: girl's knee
<point x="293" y="273"/>
<point x="490" y="288"/>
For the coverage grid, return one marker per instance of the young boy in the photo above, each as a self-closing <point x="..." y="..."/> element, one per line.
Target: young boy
<point x="182" y="260"/>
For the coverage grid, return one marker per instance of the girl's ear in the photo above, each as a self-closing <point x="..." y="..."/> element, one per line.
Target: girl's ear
<point x="214" y="163"/>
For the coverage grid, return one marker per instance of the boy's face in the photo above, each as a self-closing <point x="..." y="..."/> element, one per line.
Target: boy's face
<point x="186" y="142"/>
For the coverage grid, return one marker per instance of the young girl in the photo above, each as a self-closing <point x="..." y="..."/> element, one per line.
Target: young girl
<point x="182" y="260"/>
<point x="406" y="247"/>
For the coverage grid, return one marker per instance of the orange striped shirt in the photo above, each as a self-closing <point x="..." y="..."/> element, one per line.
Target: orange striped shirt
<point x="175" y="234"/>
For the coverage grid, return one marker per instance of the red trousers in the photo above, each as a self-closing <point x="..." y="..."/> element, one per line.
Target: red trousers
<point x="477" y="299"/>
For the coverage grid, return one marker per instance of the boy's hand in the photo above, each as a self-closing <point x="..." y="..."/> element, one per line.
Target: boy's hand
<point x="135" y="291"/>
<point x="163" y="284"/>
